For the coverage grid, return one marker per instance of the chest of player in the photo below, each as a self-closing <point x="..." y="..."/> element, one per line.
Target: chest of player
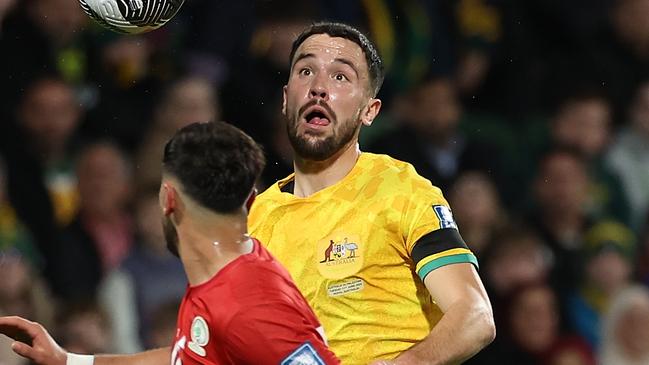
<point x="338" y="247"/>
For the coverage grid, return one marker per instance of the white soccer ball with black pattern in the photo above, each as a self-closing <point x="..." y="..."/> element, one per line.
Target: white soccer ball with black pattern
<point x="131" y="16"/>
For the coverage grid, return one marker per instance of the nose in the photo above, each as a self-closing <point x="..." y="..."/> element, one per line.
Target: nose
<point x="319" y="89"/>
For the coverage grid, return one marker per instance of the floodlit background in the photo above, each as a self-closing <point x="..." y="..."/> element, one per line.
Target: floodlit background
<point x="532" y="116"/>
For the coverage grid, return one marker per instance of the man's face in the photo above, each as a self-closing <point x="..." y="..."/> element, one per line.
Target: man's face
<point x="435" y="108"/>
<point x="583" y="125"/>
<point x="562" y="184"/>
<point x="326" y="94"/>
<point x="50" y="114"/>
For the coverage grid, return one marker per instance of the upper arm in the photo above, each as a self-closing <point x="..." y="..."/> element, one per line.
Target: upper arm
<point x="274" y="332"/>
<point x="442" y="259"/>
<point x="453" y="283"/>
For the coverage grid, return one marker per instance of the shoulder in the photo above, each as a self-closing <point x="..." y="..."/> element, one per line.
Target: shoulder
<point x="397" y="176"/>
<point x="260" y="276"/>
<point x="271" y="196"/>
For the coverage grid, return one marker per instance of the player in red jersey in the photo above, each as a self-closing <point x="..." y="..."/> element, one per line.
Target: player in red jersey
<point x="241" y="306"/>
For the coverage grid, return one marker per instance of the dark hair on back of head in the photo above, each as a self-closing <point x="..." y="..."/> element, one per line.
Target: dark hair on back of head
<point x="374" y="62"/>
<point x="216" y="163"/>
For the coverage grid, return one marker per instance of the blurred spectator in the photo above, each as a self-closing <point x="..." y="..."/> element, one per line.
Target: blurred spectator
<point x="571" y="350"/>
<point x="642" y="263"/>
<point x="5" y="7"/>
<point x="477" y="210"/>
<point x="582" y="122"/>
<point x="629" y="157"/>
<point x="163" y="324"/>
<point x="429" y="137"/>
<point x="13" y="234"/>
<point x="23" y="292"/>
<point x="42" y="37"/>
<point x="608" y="249"/>
<point x="38" y="152"/>
<point x="625" y="335"/>
<point x="256" y="83"/>
<point x="278" y="151"/>
<point x="49" y="115"/>
<point x="185" y="101"/>
<point x="625" y="56"/>
<point x="517" y="257"/>
<point x="124" y="87"/>
<point x="479" y="24"/>
<point x="415" y="38"/>
<point x="215" y="36"/>
<point x="560" y="214"/>
<point x="531" y="332"/>
<point x="148" y="276"/>
<point x="82" y="328"/>
<point x="101" y="235"/>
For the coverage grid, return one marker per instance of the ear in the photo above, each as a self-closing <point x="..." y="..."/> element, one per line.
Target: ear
<point x="169" y="199"/>
<point x="371" y="111"/>
<point x="251" y="199"/>
<point x="284" y="100"/>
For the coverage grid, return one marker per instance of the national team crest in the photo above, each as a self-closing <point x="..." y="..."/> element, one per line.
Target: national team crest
<point x="339" y="256"/>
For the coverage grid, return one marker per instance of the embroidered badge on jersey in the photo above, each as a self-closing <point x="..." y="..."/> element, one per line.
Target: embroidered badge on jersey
<point x="339" y="256"/>
<point x="304" y="355"/>
<point x="200" y="336"/>
<point x="445" y="216"/>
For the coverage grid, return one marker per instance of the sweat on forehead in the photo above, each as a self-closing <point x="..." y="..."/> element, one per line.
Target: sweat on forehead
<point x="337" y="31"/>
<point x="324" y="42"/>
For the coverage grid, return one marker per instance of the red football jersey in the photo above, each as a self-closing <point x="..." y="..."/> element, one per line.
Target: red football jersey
<point x="250" y="312"/>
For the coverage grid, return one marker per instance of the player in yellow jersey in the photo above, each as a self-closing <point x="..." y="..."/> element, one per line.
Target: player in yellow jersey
<point x="371" y="244"/>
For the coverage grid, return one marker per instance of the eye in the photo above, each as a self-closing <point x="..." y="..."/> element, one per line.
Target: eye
<point x="340" y="77"/>
<point x="305" y="72"/>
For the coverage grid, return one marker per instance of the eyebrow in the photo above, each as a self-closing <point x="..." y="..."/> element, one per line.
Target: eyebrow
<point x="302" y="56"/>
<point x="348" y="63"/>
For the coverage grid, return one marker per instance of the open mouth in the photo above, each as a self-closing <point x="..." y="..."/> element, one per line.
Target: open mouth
<point x="317" y="116"/>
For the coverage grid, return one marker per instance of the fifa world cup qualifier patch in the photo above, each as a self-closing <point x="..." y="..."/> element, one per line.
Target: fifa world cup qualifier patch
<point x="304" y="355"/>
<point x="445" y="216"/>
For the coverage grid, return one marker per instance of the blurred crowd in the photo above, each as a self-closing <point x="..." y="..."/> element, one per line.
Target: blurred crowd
<point x="532" y="116"/>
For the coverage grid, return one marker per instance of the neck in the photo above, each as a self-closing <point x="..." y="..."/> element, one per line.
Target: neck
<point x="313" y="176"/>
<point x="207" y="247"/>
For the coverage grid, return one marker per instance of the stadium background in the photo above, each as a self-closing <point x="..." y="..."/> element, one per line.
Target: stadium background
<point x="533" y="116"/>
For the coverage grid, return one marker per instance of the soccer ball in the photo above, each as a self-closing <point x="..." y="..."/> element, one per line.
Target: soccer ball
<point x="131" y="16"/>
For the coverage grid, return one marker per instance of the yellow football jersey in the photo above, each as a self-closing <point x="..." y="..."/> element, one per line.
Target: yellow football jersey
<point x="359" y="250"/>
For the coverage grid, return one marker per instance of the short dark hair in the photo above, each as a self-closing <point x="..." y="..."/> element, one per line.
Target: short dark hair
<point x="374" y="62"/>
<point x="216" y="163"/>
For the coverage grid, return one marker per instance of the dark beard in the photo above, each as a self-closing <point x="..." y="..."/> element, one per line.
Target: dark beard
<point x="321" y="150"/>
<point x="171" y="236"/>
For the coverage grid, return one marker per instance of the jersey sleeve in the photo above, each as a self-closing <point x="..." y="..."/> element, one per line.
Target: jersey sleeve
<point x="431" y="235"/>
<point x="276" y="333"/>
